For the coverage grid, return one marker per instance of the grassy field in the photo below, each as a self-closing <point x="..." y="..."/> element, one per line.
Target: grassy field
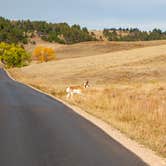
<point x="127" y="87"/>
<point x="91" y="48"/>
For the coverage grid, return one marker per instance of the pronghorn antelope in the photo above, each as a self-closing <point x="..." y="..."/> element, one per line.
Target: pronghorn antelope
<point x="71" y="90"/>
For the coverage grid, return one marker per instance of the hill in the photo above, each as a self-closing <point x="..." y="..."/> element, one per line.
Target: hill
<point x="133" y="34"/>
<point x="90" y="48"/>
<point x="127" y="89"/>
<point x="24" y="32"/>
<point x="87" y="66"/>
<point x="99" y="48"/>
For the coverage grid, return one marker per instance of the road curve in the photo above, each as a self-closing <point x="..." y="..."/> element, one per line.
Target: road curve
<point x="36" y="130"/>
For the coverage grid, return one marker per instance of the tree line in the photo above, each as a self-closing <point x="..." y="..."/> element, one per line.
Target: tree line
<point x="133" y="34"/>
<point x="20" y="31"/>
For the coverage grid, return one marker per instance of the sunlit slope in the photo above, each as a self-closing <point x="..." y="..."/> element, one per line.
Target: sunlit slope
<point x="127" y="89"/>
<point x="143" y="64"/>
<point x="100" y="47"/>
<point x="91" y="48"/>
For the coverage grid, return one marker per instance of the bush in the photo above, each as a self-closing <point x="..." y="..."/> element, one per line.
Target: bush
<point x="13" y="55"/>
<point x="44" y="54"/>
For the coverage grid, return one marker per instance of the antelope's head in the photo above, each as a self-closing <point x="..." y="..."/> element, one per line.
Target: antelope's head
<point x="86" y="84"/>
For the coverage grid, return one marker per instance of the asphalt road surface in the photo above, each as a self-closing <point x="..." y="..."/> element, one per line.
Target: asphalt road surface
<point x="36" y="130"/>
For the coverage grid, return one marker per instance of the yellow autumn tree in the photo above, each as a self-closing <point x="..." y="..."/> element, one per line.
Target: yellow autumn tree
<point x="44" y="54"/>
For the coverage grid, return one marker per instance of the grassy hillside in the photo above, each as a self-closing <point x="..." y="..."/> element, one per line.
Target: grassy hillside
<point x="128" y="88"/>
<point x="100" y="48"/>
<point x="90" y="48"/>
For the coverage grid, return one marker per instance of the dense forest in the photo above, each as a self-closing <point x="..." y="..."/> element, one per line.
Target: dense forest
<point x="22" y="30"/>
<point x="133" y="34"/>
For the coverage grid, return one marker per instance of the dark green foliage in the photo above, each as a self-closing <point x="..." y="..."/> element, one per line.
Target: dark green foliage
<point x="10" y="33"/>
<point x="20" y="31"/>
<point x="133" y="34"/>
<point x="63" y="33"/>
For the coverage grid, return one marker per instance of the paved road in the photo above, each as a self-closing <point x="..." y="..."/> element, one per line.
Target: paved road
<point x="36" y="130"/>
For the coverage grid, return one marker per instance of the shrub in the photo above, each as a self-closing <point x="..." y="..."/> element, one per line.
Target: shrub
<point x="13" y="55"/>
<point x="44" y="54"/>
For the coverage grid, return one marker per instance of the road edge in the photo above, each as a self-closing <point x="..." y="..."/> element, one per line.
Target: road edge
<point x="147" y="155"/>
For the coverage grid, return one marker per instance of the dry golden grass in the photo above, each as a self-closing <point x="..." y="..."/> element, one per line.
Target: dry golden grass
<point x="90" y="48"/>
<point x="100" y="47"/>
<point x="141" y="115"/>
<point x="128" y="89"/>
